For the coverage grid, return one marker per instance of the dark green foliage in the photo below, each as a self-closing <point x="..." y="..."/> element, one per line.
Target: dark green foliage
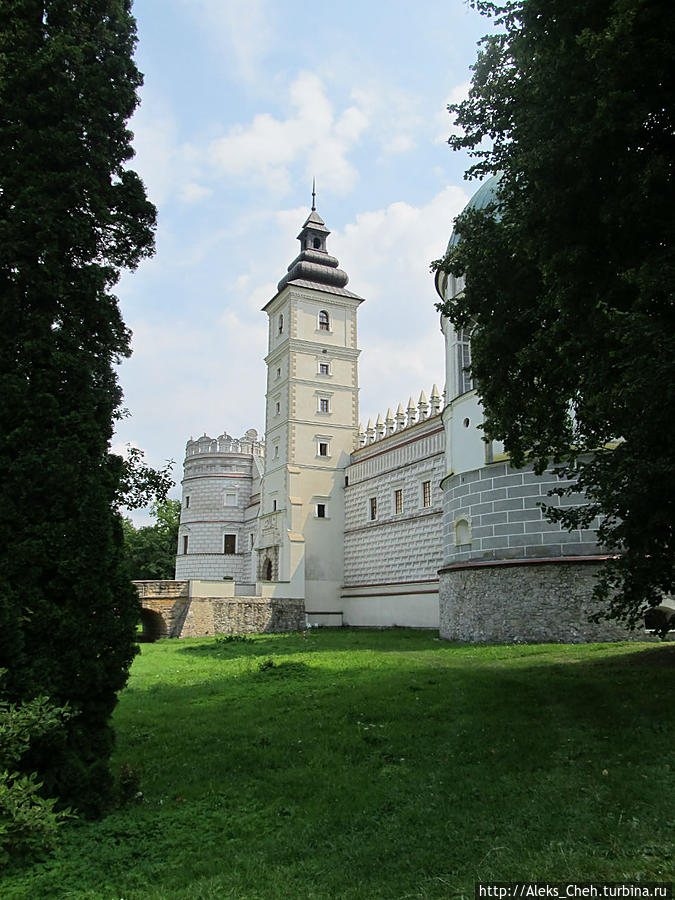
<point x="28" y="822"/>
<point x="571" y="288"/>
<point x="71" y="215"/>
<point x="150" y="552"/>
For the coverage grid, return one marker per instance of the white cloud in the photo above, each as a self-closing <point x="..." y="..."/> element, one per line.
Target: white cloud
<point x="243" y="30"/>
<point x="444" y="119"/>
<point x="387" y="253"/>
<point x="265" y="149"/>
<point x="193" y="192"/>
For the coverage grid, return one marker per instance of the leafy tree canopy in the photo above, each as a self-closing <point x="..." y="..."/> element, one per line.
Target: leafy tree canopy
<point x="570" y="285"/>
<point x="72" y="215"/>
<point x="150" y="552"/>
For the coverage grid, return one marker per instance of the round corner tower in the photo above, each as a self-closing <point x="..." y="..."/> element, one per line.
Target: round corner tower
<point x="219" y="505"/>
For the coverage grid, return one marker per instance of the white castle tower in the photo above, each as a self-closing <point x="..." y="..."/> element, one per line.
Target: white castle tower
<point x="221" y="483"/>
<point x="311" y="426"/>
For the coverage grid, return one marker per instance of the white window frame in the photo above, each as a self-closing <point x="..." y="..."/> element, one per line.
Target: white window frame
<point x="231" y="494"/>
<point x="326" y="365"/>
<point x="317" y="513"/>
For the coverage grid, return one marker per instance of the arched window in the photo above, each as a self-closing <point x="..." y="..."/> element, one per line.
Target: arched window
<point x="324" y="321"/>
<point x="317" y="243"/>
<point x="281" y="324"/>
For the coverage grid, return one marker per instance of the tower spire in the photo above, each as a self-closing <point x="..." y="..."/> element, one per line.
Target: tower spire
<point x="313" y="194"/>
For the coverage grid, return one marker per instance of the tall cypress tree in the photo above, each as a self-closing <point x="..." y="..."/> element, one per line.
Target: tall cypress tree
<point x="72" y="215"/>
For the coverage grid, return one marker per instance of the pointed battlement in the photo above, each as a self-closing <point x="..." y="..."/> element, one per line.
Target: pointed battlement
<point x="404" y="418"/>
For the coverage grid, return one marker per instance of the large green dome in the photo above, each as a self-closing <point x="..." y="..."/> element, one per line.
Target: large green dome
<point x="486" y="194"/>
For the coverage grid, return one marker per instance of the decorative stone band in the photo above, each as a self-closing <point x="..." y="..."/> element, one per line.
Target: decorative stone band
<point x="492" y="563"/>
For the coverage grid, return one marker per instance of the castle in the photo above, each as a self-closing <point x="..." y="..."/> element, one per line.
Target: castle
<point x="413" y="521"/>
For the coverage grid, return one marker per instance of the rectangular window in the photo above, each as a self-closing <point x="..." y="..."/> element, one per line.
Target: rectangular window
<point x="229" y="544"/>
<point x="187" y="502"/>
<point x="324" y="369"/>
<point x="324" y="405"/>
<point x="277" y="408"/>
<point x="321" y="510"/>
<point x="398" y="501"/>
<point x="426" y="493"/>
<point x="230" y="499"/>
<point x="251" y="539"/>
<point x="185" y="543"/>
<point x="278" y="373"/>
<point x="274" y="505"/>
<point x="323" y="448"/>
<point x="276" y="451"/>
<point x="373" y="508"/>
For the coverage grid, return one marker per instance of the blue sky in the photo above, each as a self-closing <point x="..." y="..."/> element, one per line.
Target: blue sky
<point x="244" y="102"/>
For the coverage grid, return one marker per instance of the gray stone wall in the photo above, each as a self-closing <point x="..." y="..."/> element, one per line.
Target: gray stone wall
<point x="243" y="615"/>
<point x="197" y="616"/>
<point x="500" y="506"/>
<point x="528" y="602"/>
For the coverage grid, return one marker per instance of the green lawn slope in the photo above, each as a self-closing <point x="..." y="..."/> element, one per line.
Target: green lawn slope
<point x="378" y="764"/>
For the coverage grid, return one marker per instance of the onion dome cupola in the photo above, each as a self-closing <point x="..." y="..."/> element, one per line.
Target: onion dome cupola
<point x="314" y="267"/>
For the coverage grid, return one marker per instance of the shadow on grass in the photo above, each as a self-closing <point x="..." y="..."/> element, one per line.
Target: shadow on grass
<point x="332" y="640"/>
<point x="395" y="776"/>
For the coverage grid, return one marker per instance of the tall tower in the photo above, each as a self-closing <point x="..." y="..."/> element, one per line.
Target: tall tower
<point x="311" y="427"/>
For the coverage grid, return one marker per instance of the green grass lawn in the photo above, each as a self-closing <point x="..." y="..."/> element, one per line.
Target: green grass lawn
<point x="379" y="764"/>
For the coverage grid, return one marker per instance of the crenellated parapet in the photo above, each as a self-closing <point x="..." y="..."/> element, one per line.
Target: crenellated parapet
<point x="225" y="443"/>
<point x="404" y="418"/>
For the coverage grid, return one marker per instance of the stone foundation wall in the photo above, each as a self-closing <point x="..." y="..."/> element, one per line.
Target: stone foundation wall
<point x="528" y="602"/>
<point x="186" y="616"/>
<point x="243" y="615"/>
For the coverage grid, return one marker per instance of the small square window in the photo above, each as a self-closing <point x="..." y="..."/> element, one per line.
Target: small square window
<point x="426" y="493"/>
<point x="373" y="508"/>
<point x="324" y="369"/>
<point x="321" y="510"/>
<point x="229" y="544"/>
<point x="324" y="405"/>
<point x="323" y="448"/>
<point x="230" y="499"/>
<point x="398" y="501"/>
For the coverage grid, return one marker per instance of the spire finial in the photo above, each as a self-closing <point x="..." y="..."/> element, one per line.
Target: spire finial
<point x="313" y="194"/>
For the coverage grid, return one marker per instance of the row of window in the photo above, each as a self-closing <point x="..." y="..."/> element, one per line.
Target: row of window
<point x="425" y="499"/>
<point x="323" y="405"/>
<point x="229" y="543"/>
<point x="229" y="499"/>
<point x="323" y="321"/>
<point x="324" y="369"/>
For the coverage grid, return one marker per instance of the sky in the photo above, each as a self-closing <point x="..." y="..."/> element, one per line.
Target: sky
<point x="244" y="103"/>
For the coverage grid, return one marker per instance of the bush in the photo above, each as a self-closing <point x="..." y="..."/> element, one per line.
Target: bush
<point x="28" y="821"/>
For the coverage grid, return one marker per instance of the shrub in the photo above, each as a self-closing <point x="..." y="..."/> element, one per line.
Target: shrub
<point x="28" y="821"/>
